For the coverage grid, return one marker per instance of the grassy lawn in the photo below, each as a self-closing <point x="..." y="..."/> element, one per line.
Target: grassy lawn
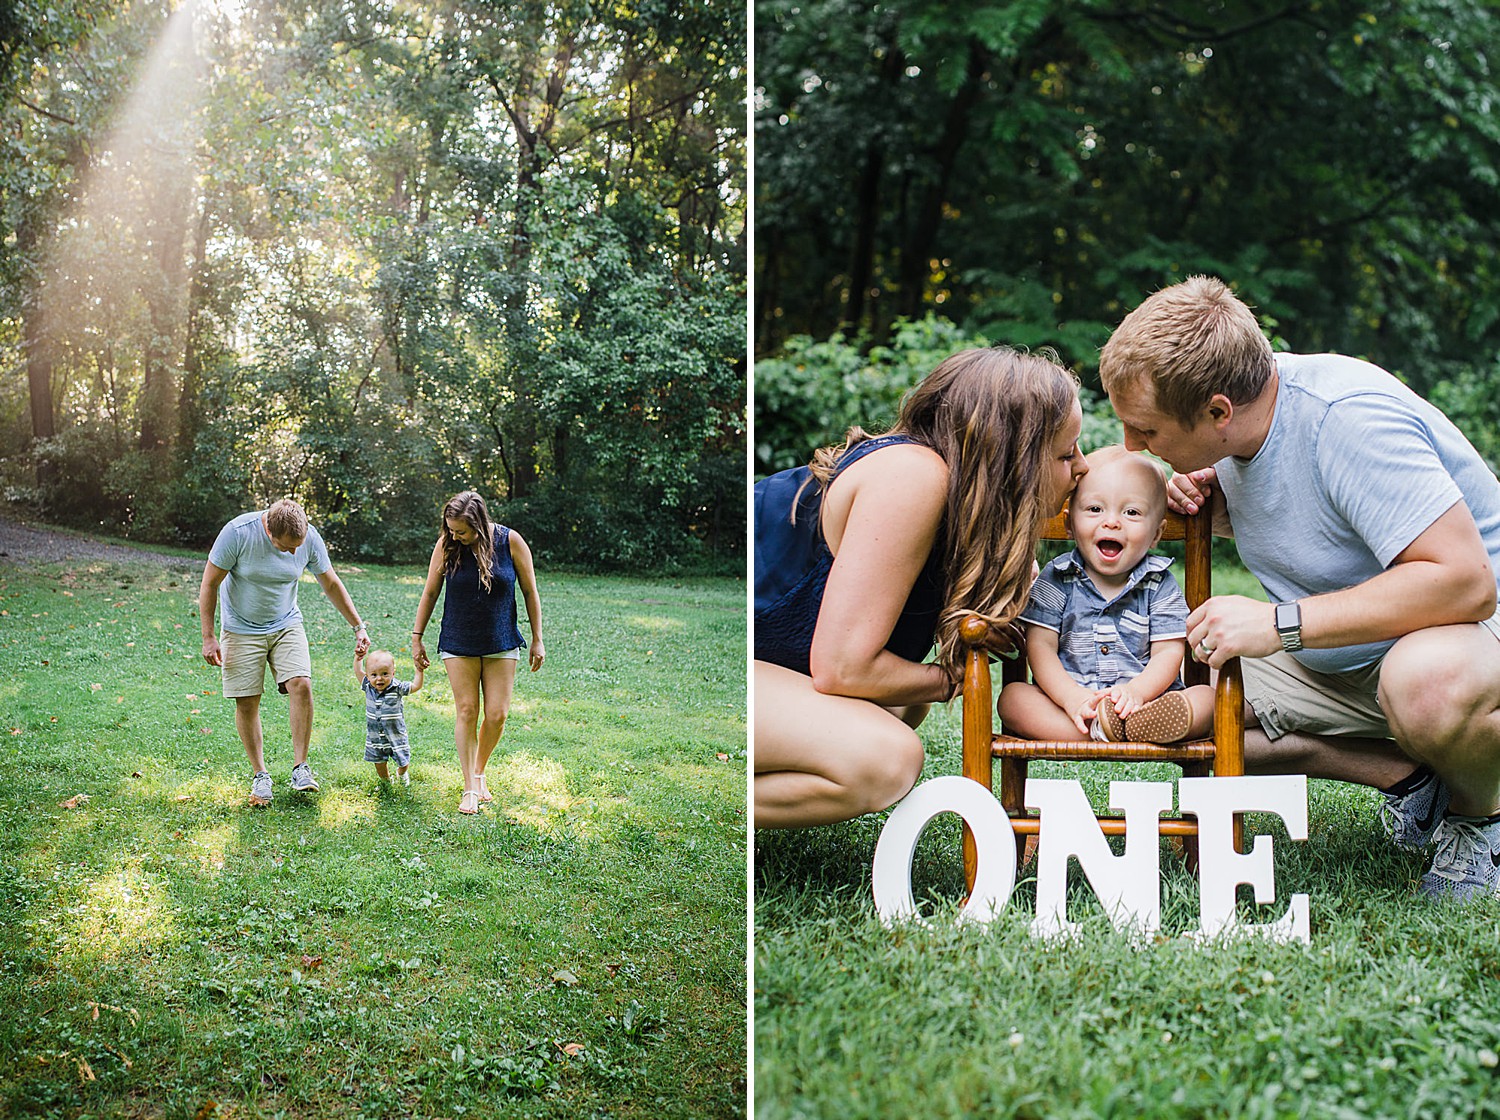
<point x="1392" y="1011"/>
<point x="577" y="950"/>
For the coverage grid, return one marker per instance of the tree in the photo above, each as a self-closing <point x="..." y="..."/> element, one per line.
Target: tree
<point x="366" y="293"/>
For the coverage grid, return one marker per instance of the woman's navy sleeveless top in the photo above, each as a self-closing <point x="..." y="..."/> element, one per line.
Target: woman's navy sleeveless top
<point x="476" y="622"/>
<point x="792" y="563"/>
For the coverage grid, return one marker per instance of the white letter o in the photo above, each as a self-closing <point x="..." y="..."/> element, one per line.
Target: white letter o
<point x="993" y="836"/>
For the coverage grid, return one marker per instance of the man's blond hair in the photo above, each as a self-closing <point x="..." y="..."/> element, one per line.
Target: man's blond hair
<point x="1189" y="342"/>
<point x="287" y="520"/>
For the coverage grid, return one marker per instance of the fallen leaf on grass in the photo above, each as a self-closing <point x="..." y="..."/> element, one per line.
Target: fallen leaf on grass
<point x="95" y="687"/>
<point x="311" y="963"/>
<point x="74" y="802"/>
<point x="722" y="757"/>
<point x="564" y="977"/>
<point x="85" y="1071"/>
<point x="572" y="1049"/>
<point x="183" y="797"/>
<point x="96" y="1007"/>
<point x="207" y="1110"/>
<point x="612" y="968"/>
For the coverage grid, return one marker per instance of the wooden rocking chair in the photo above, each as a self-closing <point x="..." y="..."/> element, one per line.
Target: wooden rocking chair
<point x="1224" y="753"/>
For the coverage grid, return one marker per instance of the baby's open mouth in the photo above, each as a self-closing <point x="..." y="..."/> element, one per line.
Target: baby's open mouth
<point x="1110" y="549"/>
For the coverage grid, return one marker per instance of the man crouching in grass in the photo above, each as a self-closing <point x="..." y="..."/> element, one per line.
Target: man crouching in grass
<point x="259" y="558"/>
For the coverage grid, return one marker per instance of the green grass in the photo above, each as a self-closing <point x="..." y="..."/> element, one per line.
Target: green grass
<point x="1392" y="1011"/>
<point x="577" y="950"/>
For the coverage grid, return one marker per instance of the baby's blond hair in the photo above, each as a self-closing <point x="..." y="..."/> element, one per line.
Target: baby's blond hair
<point x="1115" y="456"/>
<point x="383" y="655"/>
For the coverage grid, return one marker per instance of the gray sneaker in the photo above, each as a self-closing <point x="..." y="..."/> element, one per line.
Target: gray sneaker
<point x="302" y="779"/>
<point x="1467" y="862"/>
<point x="260" y="788"/>
<point x="1412" y="818"/>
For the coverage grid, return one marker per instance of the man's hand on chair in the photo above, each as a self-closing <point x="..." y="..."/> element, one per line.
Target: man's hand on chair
<point x="1232" y="626"/>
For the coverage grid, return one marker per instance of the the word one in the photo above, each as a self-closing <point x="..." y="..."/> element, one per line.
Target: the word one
<point x="1128" y="885"/>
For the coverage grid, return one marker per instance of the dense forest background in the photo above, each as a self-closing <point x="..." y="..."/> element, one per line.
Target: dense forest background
<point x="372" y="253"/>
<point x="932" y="174"/>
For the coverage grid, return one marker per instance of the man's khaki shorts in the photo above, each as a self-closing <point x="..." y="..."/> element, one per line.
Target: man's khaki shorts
<point x="247" y="655"/>
<point x="1287" y="696"/>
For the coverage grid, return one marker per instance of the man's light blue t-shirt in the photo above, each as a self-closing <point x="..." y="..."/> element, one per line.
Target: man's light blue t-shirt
<point x="259" y="596"/>
<point x="1355" y="468"/>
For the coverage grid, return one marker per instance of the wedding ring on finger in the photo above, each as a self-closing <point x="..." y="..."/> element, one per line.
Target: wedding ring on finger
<point x="1204" y="651"/>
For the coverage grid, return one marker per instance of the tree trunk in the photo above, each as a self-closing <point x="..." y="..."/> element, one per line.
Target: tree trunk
<point x="523" y="423"/>
<point x="189" y="411"/>
<point x="36" y="343"/>
<point x="918" y="249"/>
<point x="163" y="291"/>
<point x="867" y="203"/>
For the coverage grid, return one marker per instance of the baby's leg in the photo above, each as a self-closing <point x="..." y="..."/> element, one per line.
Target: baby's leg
<point x="1200" y="698"/>
<point x="385" y="774"/>
<point x="1029" y="713"/>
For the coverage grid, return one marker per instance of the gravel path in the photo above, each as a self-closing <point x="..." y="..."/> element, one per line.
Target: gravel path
<point x="22" y="543"/>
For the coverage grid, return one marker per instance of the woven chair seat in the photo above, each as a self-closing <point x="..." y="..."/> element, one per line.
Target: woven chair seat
<point x="1004" y="746"/>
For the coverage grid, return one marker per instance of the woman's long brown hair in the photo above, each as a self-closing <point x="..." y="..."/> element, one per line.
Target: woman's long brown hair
<point x="470" y="507"/>
<point x="992" y="415"/>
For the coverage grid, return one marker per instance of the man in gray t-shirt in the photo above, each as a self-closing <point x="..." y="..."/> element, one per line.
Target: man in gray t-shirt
<point x="1374" y="527"/>
<point x="258" y="559"/>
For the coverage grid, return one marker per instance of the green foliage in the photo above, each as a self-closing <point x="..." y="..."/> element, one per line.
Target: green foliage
<point x="359" y="261"/>
<point x="575" y="950"/>
<point x="810" y="394"/>
<point x="1033" y="170"/>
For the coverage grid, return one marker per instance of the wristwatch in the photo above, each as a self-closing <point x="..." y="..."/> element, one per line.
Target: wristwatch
<point x="1289" y="626"/>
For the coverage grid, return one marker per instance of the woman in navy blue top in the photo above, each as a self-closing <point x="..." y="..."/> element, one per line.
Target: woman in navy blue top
<point x="479" y="564"/>
<point x="877" y="549"/>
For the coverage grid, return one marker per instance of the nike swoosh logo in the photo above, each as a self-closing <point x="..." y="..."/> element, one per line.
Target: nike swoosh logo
<point x="1495" y="858"/>
<point x="1425" y="823"/>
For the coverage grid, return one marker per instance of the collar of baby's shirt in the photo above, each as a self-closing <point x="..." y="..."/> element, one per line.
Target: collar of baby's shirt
<point x="1070" y="564"/>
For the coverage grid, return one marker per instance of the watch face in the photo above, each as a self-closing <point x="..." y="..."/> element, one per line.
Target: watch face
<point x="1288" y="617"/>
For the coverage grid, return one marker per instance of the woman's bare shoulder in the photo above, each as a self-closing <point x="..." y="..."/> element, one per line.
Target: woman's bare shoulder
<point x="901" y="468"/>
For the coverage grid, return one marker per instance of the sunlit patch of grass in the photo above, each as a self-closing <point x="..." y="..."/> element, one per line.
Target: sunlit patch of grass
<point x="346" y="806"/>
<point x="120" y="911"/>
<point x="533" y="790"/>
<point x="210" y="847"/>
<point x="657" y="623"/>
